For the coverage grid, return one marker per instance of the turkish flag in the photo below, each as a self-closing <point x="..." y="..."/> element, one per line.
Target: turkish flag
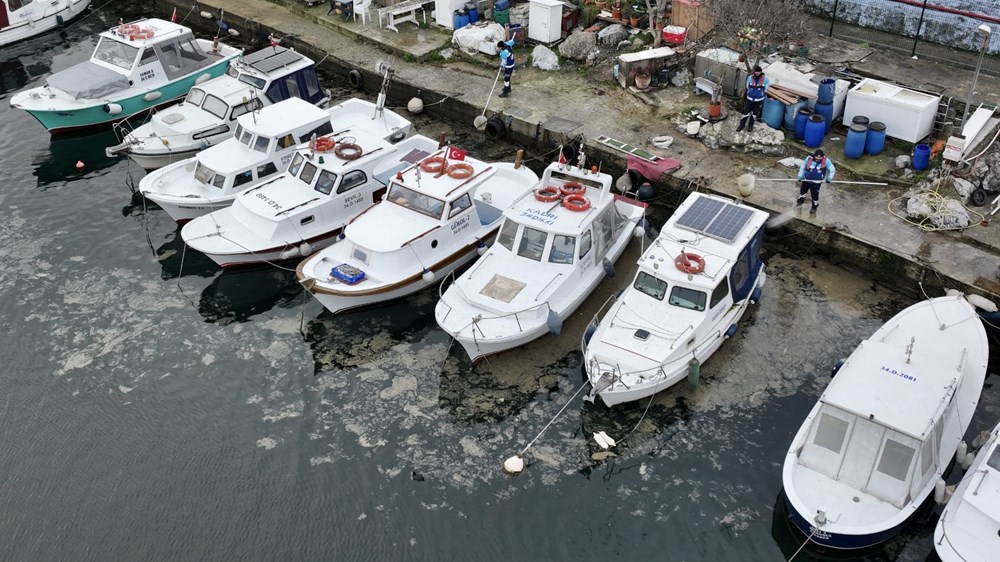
<point x="173" y="16"/>
<point x="456" y="153"/>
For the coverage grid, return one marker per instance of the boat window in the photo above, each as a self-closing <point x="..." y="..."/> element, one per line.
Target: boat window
<point x="308" y="173"/>
<point x="406" y="197"/>
<point x="532" y="243"/>
<point x="17" y="4"/>
<point x="215" y="106"/>
<point x="245" y="138"/>
<point x="313" y="88"/>
<point x="327" y="180"/>
<point x="293" y="86"/>
<point x="649" y="285"/>
<point x="296" y="164"/>
<point x="585" y="244"/>
<point x="325" y="129"/>
<point x="115" y="53"/>
<point x="352" y="180"/>
<point x="274" y="93"/>
<point x="360" y="254"/>
<point x="719" y="294"/>
<point x="459" y="205"/>
<point x="994" y="460"/>
<point x="927" y="456"/>
<point x="148" y="57"/>
<point x="203" y="173"/>
<point x="562" y="249"/>
<point x="286" y="141"/>
<point x="242" y="178"/>
<point x="253" y="81"/>
<point x="169" y="60"/>
<point x="507" y="233"/>
<point x="262" y="143"/>
<point x="210" y="132"/>
<point x="741" y="271"/>
<point x="266" y="170"/>
<point x="232" y="72"/>
<point x="688" y="298"/>
<point x="219" y="181"/>
<point x="244" y="108"/>
<point x="831" y="432"/>
<point x="190" y="52"/>
<point x="895" y="461"/>
<point x="239" y="131"/>
<point x="195" y="96"/>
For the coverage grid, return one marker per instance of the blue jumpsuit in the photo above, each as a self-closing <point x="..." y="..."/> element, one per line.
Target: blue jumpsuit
<point x="507" y="64"/>
<point x="812" y="172"/>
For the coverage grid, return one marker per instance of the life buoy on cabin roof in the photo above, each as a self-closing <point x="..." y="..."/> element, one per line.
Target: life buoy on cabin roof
<point x="433" y="165"/>
<point x="576" y="202"/>
<point x="548" y="194"/>
<point x="460" y="171"/>
<point x="348" y="151"/>
<point x="689" y="262"/>
<point x="321" y="144"/>
<point x="572" y="187"/>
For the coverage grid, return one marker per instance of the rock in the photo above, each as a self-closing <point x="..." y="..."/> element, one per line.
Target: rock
<point x="578" y="45"/>
<point x="925" y="204"/>
<point x="544" y="58"/>
<point x="446" y="53"/>
<point x="623" y="44"/>
<point x="902" y="161"/>
<point x="763" y="139"/>
<point x="682" y="78"/>
<point x="790" y="162"/>
<point x="612" y="34"/>
<point x="962" y="186"/>
<point x="988" y="168"/>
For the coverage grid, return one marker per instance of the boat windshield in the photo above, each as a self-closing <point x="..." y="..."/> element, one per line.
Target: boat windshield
<point x="245" y="78"/>
<point x="562" y="249"/>
<point x="208" y="176"/>
<point x="215" y="106"/>
<point x="507" y="233"/>
<point x="195" y="96"/>
<point x="690" y="299"/>
<point x="423" y="204"/>
<point x="296" y="164"/>
<point x="308" y="173"/>
<point x="327" y="180"/>
<point x="649" y="285"/>
<point x="994" y="460"/>
<point x="532" y="243"/>
<point x="118" y="54"/>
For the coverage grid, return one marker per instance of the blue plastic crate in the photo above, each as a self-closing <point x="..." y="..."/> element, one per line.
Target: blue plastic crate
<point x="347" y="273"/>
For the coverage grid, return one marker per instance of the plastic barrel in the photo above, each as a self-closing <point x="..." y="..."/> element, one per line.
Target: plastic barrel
<point x="774" y="113"/>
<point x="860" y="120"/>
<point x="790" y="112"/>
<point x="921" y="156"/>
<point x="801" y="117"/>
<point x="502" y="5"/>
<point x="826" y="90"/>
<point x="461" y="19"/>
<point x="875" y="138"/>
<point x="501" y="16"/>
<point x="825" y="110"/>
<point x="815" y="129"/>
<point x="854" y="147"/>
<point x="473" y="11"/>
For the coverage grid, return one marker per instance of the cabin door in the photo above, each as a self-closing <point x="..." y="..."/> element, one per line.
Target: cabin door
<point x="4" y="20"/>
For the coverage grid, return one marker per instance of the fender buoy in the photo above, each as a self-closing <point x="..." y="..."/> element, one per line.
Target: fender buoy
<point x="495" y="128"/>
<point x="548" y="194"/>
<point x="572" y="187"/>
<point x="321" y="144"/>
<point x="348" y="151"/>
<point x="576" y="202"/>
<point x="460" y="171"/>
<point x="690" y="263"/>
<point x="433" y="165"/>
<point x="354" y="79"/>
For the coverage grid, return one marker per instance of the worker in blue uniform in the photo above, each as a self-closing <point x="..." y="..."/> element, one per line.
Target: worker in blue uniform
<point x="757" y="85"/>
<point x="506" y="61"/>
<point x="814" y="170"/>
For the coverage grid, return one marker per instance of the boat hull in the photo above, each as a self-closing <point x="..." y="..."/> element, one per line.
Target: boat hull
<point x="19" y="32"/>
<point x="839" y="541"/>
<point x="184" y="212"/>
<point x="270" y="255"/>
<point x="150" y="160"/>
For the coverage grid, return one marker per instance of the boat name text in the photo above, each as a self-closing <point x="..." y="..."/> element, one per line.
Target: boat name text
<point x="353" y="199"/>
<point x="269" y="201"/>
<point x="899" y="374"/>
<point x="146" y="75"/>
<point x="461" y="224"/>
<point x="543" y="217"/>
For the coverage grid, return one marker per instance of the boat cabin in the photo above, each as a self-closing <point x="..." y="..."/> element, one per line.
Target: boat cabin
<point x="279" y="73"/>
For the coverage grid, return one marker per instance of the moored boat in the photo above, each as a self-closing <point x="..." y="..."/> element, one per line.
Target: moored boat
<point x="885" y="429"/>
<point x="21" y="19"/>
<point x="694" y="284"/>
<point x="134" y="67"/>
<point x="552" y="250"/>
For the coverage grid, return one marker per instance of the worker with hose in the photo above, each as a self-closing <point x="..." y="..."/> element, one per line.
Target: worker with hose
<point x="814" y="170"/>
<point x="753" y="103"/>
<point x="506" y="60"/>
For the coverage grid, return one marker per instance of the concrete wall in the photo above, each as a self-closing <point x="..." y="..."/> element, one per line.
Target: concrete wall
<point x="902" y="18"/>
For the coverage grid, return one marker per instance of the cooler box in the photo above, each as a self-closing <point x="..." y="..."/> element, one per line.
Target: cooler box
<point x="674" y="34"/>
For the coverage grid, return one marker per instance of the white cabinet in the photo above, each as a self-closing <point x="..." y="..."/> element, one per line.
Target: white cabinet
<point x="545" y="20"/>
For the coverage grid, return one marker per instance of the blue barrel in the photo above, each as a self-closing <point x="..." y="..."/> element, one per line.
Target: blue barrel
<point x="790" y="112"/>
<point x="502" y="5"/>
<point x="826" y="111"/>
<point x="461" y="19"/>
<point x="815" y="129"/>
<point x="859" y="120"/>
<point x="473" y="11"/>
<point x="827" y="87"/>
<point x="774" y="113"/>
<point x="854" y="147"/>
<point x="800" y="121"/>
<point x="875" y="139"/>
<point x="921" y="156"/>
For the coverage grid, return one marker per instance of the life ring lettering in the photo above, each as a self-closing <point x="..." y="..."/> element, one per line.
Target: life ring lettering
<point x="689" y="262"/>
<point x="548" y="194"/>
<point x="576" y="202"/>
<point x="348" y="151"/>
<point x="460" y="171"/>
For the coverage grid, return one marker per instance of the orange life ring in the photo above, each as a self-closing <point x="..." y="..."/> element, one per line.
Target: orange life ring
<point x="572" y="188"/>
<point x="141" y="34"/>
<point x="322" y="144"/>
<point x="576" y="202"/>
<point x="433" y="165"/>
<point x="548" y="194"/>
<point x="128" y="28"/>
<point x="460" y="171"/>
<point x="689" y="262"/>
<point x="348" y="151"/>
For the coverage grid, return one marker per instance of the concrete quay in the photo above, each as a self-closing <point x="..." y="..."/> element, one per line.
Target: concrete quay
<point x="853" y="227"/>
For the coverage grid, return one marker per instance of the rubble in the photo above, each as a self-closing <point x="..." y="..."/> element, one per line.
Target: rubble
<point x="926" y="205"/>
<point x="762" y="139"/>
<point x="682" y="78"/>
<point x="902" y="161"/>
<point x="579" y="45"/>
<point x="544" y="58"/>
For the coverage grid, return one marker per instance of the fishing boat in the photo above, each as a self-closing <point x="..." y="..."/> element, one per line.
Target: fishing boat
<point x="555" y="245"/>
<point x="135" y="66"/>
<point x="885" y="429"/>
<point x="328" y="182"/>
<point x="21" y="19"/>
<point x="208" y="114"/>
<point x="263" y="145"/>
<point x="438" y="214"/>
<point x="693" y="285"/>
<point x="969" y="528"/>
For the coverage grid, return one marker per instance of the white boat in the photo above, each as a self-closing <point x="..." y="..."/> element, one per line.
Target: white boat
<point x="135" y="66"/>
<point x="208" y="114"/>
<point x="692" y="287"/>
<point x="969" y="528"/>
<point x="305" y="208"/>
<point x="553" y="249"/>
<point x="881" y="435"/>
<point x="21" y="19"/>
<point x="437" y="215"/>
<point x="264" y="144"/>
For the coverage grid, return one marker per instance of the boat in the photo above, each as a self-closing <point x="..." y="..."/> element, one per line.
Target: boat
<point x="554" y="247"/>
<point x="208" y="112"/>
<point x="693" y="285"/>
<point x="328" y="182"/>
<point x="885" y="429"/>
<point x="443" y="210"/>
<point x="21" y="19"/>
<point x="135" y="66"/>
<point x="969" y="527"/>
<point x="264" y="144"/>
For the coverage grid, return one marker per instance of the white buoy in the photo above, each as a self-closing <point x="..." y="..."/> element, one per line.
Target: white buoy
<point x="427" y="276"/>
<point x="207" y="15"/>
<point x="415" y="105"/>
<point x="289" y="253"/>
<point x="961" y="450"/>
<point x="745" y="184"/>
<point x="604" y="440"/>
<point x="305" y="249"/>
<point x="513" y="465"/>
<point x="233" y="32"/>
<point x="152" y="96"/>
<point x="112" y="108"/>
<point x="983" y="437"/>
<point x="967" y="460"/>
<point x="981" y="303"/>
<point x="939" y="491"/>
<point x="949" y="491"/>
<point x="693" y="127"/>
<point x="201" y="79"/>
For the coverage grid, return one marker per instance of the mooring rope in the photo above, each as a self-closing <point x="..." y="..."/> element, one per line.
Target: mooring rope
<point x="561" y="410"/>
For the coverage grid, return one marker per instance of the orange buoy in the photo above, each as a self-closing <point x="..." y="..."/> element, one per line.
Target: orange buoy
<point x="548" y="194"/>
<point x="572" y="187"/>
<point x="348" y="151"/>
<point x="689" y="262"/>
<point x="322" y="144"/>
<point x="460" y="171"/>
<point x="576" y="202"/>
<point x="79" y="164"/>
<point x="433" y="165"/>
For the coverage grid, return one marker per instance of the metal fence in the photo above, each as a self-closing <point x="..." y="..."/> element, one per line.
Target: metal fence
<point x="941" y="30"/>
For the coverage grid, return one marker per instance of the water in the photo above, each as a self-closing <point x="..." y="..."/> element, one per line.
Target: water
<point x="154" y="407"/>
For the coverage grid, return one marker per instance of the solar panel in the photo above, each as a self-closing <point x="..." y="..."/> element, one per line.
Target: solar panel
<point x="715" y="218"/>
<point x="267" y="60"/>
<point x="700" y="214"/>
<point x="728" y="224"/>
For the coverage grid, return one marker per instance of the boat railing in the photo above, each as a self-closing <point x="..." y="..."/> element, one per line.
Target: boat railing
<point x="547" y="285"/>
<point x="480" y="319"/>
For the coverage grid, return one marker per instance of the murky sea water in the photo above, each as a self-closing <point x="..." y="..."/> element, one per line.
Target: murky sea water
<point x="154" y="407"/>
